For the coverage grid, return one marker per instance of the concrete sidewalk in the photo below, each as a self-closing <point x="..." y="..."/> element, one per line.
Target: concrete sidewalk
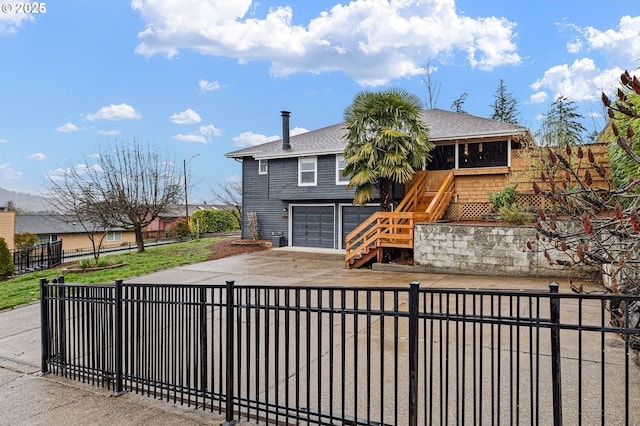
<point x="26" y="398"/>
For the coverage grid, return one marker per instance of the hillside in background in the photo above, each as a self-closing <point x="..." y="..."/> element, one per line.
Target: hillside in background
<point x="23" y="201"/>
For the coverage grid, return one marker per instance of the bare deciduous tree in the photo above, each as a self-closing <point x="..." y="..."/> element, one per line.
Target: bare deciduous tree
<point x="127" y="186"/>
<point x="598" y="224"/>
<point x="229" y="194"/>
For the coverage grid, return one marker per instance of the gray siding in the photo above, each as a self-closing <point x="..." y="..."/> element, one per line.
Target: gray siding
<point x="255" y="198"/>
<point x="269" y="195"/>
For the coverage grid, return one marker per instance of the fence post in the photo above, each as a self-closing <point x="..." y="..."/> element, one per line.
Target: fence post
<point x="44" y="326"/>
<point x="556" y="376"/>
<point x="119" y="388"/>
<point x="229" y="421"/>
<point x="203" y="338"/>
<point x="62" y="321"/>
<point x="413" y="353"/>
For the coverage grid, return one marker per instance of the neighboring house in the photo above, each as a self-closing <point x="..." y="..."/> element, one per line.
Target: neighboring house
<point x="54" y="227"/>
<point x="8" y="226"/>
<point x="162" y="223"/>
<point x="295" y="185"/>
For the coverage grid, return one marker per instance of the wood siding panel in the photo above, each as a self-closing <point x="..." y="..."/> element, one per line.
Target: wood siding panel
<point x="8" y="227"/>
<point x="476" y="189"/>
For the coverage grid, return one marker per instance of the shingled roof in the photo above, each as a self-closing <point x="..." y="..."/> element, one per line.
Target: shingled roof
<point x="53" y="224"/>
<point x="443" y="126"/>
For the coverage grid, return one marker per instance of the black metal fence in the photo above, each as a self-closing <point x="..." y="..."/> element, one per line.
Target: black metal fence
<point x="76" y="254"/>
<point x="42" y="256"/>
<point x="334" y="355"/>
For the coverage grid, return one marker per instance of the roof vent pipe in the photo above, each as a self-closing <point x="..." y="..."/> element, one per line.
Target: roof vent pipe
<point x="285" y="129"/>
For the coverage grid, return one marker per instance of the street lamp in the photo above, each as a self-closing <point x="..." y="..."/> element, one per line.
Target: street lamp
<point x="186" y="190"/>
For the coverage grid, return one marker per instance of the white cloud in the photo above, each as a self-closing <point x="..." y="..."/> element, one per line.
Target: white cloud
<point x="190" y="138"/>
<point x="206" y="133"/>
<point x="583" y="80"/>
<point x="580" y="81"/>
<point x="81" y="169"/>
<point x="539" y="97"/>
<point x="37" y="156"/>
<point x="68" y="127"/>
<point x="297" y="131"/>
<point x="8" y="172"/>
<point x="621" y="46"/>
<point x="208" y="86"/>
<point x="11" y="21"/>
<point x="372" y="41"/>
<point x="3" y="140"/>
<point x="210" y="130"/>
<point x="187" y="116"/>
<point x="115" y="112"/>
<point x="251" y="139"/>
<point x="109" y="132"/>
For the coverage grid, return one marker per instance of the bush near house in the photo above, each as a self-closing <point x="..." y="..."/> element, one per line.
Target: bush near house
<point x="205" y="221"/>
<point x="24" y="240"/>
<point x="6" y="260"/>
<point x="179" y="229"/>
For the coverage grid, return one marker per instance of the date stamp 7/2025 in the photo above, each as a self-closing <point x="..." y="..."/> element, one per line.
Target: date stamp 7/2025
<point x="28" y="8"/>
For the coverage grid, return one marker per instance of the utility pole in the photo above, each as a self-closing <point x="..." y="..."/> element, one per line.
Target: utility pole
<point x="186" y="200"/>
<point x="186" y="189"/>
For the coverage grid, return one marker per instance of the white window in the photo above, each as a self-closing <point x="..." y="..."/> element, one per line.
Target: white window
<point x="262" y="167"/>
<point x="47" y="238"/>
<point x="307" y="171"/>
<point x="114" y="236"/>
<point x="341" y="163"/>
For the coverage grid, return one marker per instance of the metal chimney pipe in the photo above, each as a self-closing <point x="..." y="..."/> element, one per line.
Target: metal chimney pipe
<point x="285" y="129"/>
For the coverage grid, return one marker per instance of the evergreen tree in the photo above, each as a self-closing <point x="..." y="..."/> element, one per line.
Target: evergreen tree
<point x="457" y="104"/>
<point x="505" y="106"/>
<point x="562" y="125"/>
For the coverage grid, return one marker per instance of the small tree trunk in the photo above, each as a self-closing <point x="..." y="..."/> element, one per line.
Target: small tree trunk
<point x="139" y="239"/>
<point x="385" y="195"/>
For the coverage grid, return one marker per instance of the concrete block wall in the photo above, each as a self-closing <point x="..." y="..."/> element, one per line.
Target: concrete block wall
<point x="486" y="250"/>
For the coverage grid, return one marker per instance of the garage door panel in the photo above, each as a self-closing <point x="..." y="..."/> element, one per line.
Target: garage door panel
<point x="353" y="216"/>
<point x="313" y="226"/>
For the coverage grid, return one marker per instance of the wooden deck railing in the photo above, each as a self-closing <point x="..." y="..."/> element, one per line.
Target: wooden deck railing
<point x="381" y="229"/>
<point x="395" y="229"/>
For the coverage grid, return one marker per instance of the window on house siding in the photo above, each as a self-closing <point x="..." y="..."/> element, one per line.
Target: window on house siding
<point x="262" y="167"/>
<point x="47" y="238"/>
<point x="307" y="171"/>
<point x="114" y="236"/>
<point x="341" y="163"/>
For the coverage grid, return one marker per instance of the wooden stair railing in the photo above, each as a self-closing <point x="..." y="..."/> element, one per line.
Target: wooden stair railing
<point x="381" y="229"/>
<point x="395" y="229"/>
<point x="415" y="194"/>
<point x="441" y="200"/>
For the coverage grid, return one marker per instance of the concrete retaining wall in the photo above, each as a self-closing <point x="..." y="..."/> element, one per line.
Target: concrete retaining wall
<point x="486" y="250"/>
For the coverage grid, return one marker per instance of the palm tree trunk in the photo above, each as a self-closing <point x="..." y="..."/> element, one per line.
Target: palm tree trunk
<point x="385" y="194"/>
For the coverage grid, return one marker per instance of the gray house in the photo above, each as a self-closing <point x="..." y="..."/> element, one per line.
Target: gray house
<point x="295" y="184"/>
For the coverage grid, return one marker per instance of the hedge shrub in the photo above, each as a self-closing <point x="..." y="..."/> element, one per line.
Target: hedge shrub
<point x="179" y="229"/>
<point x="205" y="221"/>
<point x="6" y="259"/>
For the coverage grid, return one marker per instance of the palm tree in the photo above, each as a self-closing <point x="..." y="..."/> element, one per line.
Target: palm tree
<point x="387" y="141"/>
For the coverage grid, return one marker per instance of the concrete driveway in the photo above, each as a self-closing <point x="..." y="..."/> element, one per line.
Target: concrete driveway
<point x="29" y="399"/>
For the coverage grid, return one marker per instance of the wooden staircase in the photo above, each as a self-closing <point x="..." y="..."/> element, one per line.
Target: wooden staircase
<point x="395" y="229"/>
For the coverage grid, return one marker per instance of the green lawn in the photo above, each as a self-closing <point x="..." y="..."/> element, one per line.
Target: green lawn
<point x="26" y="288"/>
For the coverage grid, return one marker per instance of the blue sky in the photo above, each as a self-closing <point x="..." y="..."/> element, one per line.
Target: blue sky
<point x="201" y="78"/>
